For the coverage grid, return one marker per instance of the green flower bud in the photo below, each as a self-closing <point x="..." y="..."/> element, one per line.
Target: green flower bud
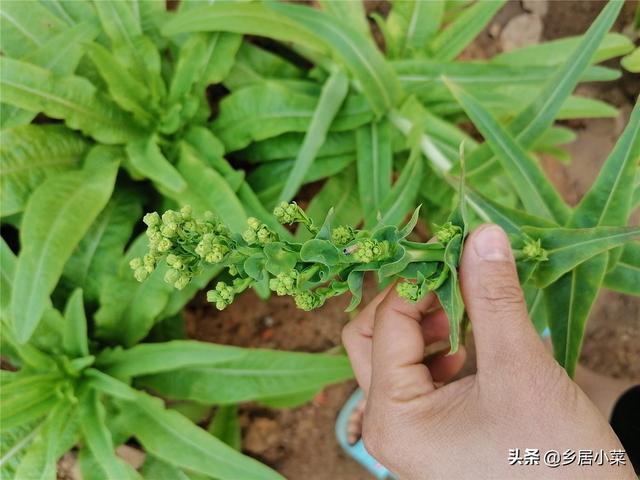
<point x="409" y="291"/>
<point x="254" y="223"/>
<point x="171" y="276"/>
<point x="170" y="217"/>
<point x="164" y="245"/>
<point x="533" y="250"/>
<point x="151" y="219"/>
<point x="287" y="213"/>
<point x="342" y="235"/>
<point x="233" y="270"/>
<point x="446" y="232"/>
<point x="186" y="212"/>
<point x="249" y="236"/>
<point x="265" y="235"/>
<point x="308" y="300"/>
<point x="169" y="230"/>
<point x="141" y="274"/>
<point x="370" y="250"/>
<point x="149" y="260"/>
<point x="284" y="283"/>
<point x="135" y="263"/>
<point x="182" y="281"/>
<point x="222" y="296"/>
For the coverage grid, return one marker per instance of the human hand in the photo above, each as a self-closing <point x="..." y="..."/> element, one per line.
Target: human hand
<point x="519" y="397"/>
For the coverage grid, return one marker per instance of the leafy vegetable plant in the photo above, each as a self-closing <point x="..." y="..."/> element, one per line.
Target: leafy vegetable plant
<point x="71" y="390"/>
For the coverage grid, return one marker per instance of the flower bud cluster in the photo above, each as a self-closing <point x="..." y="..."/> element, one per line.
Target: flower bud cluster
<point x="284" y="283"/>
<point x="184" y="243"/>
<point x="342" y="235"/>
<point x="409" y="291"/>
<point x="370" y="250"/>
<point x="533" y="250"/>
<point x="446" y="232"/>
<point x="258" y="233"/>
<point x="308" y="300"/>
<point x="222" y="296"/>
<point x="288" y="213"/>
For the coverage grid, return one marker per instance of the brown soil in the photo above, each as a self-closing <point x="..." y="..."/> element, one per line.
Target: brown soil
<point x="300" y="442"/>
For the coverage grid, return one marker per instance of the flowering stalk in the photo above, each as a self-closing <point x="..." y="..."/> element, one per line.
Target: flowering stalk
<point x="330" y="264"/>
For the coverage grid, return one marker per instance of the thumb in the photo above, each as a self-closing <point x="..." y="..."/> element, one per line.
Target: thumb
<point x="493" y="298"/>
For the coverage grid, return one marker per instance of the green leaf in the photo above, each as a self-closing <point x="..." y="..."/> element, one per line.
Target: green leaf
<point x="156" y="469"/>
<point x="73" y="99"/>
<point x="411" y="24"/>
<point x="29" y="154"/>
<point x="511" y="220"/>
<point x="56" y="218"/>
<point x="14" y="443"/>
<point x="458" y="34"/>
<point x="26" y="26"/>
<point x="97" y="255"/>
<point x="449" y="292"/>
<point x="532" y="121"/>
<point x="568" y="247"/>
<point x="569" y="301"/>
<point x="28" y="404"/>
<point x="267" y="110"/>
<point x="351" y="12"/>
<point x="534" y="189"/>
<point x="74" y="336"/>
<point x="320" y="251"/>
<point x="375" y="165"/>
<point x="98" y="438"/>
<point x="625" y="276"/>
<point x="424" y="77"/>
<point x="61" y="55"/>
<point x="226" y="427"/>
<point x="358" y="53"/>
<point x="147" y="159"/>
<point x="608" y="201"/>
<point x="557" y="52"/>
<point x="129" y="309"/>
<point x="254" y="375"/>
<point x="129" y="93"/>
<point x="245" y="18"/>
<point x="57" y="435"/>
<point x="631" y="62"/>
<point x="331" y="98"/>
<point x="208" y="190"/>
<point x="151" y="358"/>
<point x="168" y="435"/>
<point x="118" y="21"/>
<point x="109" y="385"/>
<point x="341" y="195"/>
<point x="401" y="198"/>
<point x="7" y="274"/>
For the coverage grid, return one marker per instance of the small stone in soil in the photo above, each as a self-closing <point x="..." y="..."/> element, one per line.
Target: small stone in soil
<point x="262" y="436"/>
<point x="523" y="30"/>
<point x="539" y="7"/>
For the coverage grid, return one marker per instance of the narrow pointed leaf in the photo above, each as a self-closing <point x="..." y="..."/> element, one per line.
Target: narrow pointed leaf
<point x="331" y="98"/>
<point x="531" y="122"/>
<point x="536" y="192"/>
<point x="569" y="301"/>
<point x="458" y="34"/>
<point x="147" y="159"/>
<point x="172" y="437"/>
<point x="98" y="438"/>
<point x="568" y="247"/>
<point x="625" y="276"/>
<point x="74" y="336"/>
<point x="375" y="165"/>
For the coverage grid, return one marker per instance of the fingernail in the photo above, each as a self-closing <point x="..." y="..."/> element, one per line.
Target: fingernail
<point x="491" y="243"/>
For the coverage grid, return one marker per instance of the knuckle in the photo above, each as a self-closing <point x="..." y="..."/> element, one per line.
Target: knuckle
<point x="500" y="294"/>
